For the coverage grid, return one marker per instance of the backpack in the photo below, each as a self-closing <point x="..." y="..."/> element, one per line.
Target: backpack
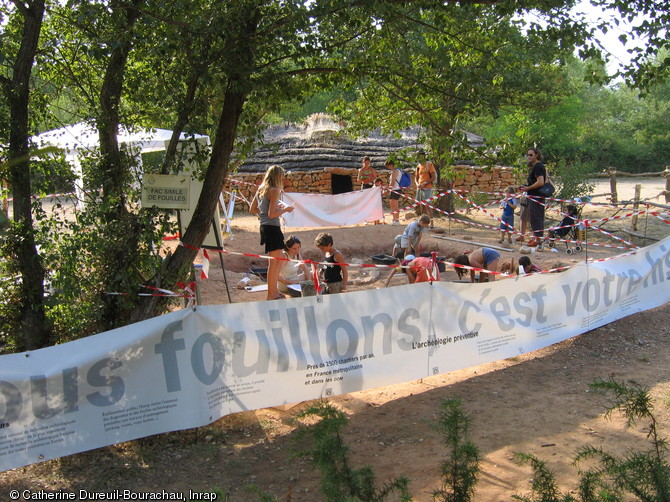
<point x="405" y="179"/>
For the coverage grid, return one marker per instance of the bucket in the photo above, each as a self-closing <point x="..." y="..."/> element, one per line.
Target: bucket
<point x="383" y="259"/>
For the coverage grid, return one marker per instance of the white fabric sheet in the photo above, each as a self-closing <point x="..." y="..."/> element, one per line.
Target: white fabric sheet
<point x="317" y="210"/>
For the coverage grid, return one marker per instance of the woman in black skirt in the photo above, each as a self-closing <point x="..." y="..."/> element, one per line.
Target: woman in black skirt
<point x="268" y="205"/>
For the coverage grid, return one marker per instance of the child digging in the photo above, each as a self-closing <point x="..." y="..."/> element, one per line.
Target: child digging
<point x="408" y="242"/>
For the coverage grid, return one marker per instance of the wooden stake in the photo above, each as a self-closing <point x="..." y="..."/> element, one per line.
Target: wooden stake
<point x="636" y="205"/>
<point x="613" y="194"/>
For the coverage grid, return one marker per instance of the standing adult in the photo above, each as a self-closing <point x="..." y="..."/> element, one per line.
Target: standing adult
<point x="268" y="205"/>
<point x="425" y="177"/>
<point x="524" y="217"/>
<point x="366" y="174"/>
<point x="394" y="183"/>
<point x="537" y="177"/>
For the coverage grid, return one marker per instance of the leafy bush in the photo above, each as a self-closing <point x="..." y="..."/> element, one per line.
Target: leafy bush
<point x="81" y="258"/>
<point x="340" y="482"/>
<point x="571" y="180"/>
<point x="460" y="471"/>
<point x="645" y="475"/>
<point x="10" y="306"/>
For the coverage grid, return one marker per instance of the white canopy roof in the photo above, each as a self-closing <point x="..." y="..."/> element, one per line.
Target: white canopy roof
<point x="78" y="139"/>
<point x="83" y="136"/>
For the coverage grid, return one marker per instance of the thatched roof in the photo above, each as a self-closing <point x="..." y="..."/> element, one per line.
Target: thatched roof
<point x="320" y="142"/>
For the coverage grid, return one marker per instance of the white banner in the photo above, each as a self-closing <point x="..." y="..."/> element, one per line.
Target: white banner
<point x="317" y="210"/>
<point x="189" y="368"/>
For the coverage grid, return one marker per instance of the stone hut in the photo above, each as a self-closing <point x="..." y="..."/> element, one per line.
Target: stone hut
<point x="320" y="158"/>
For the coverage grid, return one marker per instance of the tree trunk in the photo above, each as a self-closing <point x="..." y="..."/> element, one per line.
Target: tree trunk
<point x="121" y="247"/>
<point x="182" y="119"/>
<point x="35" y="331"/>
<point x="176" y="266"/>
<point x="445" y="170"/>
<point x="114" y="168"/>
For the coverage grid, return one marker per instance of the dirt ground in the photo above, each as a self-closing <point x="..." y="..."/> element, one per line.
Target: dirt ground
<point x="536" y="403"/>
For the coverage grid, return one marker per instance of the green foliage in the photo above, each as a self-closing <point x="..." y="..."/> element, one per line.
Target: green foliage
<point x="339" y="481"/>
<point x="80" y="270"/>
<point x="52" y="175"/>
<point x="297" y="111"/>
<point x="440" y="68"/>
<point x="644" y="475"/>
<point x="570" y="180"/>
<point x="627" y="131"/>
<point x="460" y="471"/>
<point x="10" y="307"/>
<point x="650" y="63"/>
<point x="543" y="484"/>
<point x="588" y="125"/>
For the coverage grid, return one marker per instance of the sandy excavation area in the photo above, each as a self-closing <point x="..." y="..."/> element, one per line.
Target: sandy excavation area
<point x="536" y="403"/>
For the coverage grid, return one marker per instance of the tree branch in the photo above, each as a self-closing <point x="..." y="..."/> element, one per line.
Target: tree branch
<point x="23" y="8"/>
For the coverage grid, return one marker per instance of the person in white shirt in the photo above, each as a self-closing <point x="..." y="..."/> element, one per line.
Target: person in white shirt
<point x="292" y="272"/>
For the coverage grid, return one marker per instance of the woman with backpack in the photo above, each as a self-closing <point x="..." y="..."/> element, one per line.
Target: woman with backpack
<point x="394" y="183"/>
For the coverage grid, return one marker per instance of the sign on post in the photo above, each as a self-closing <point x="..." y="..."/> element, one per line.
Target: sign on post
<point x="166" y="191"/>
<point x="191" y="156"/>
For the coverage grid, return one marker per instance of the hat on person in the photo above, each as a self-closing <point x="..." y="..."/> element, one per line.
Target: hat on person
<point x="404" y="262"/>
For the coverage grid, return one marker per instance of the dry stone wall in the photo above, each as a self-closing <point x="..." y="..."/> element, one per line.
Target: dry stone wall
<point x="468" y="178"/>
<point x="320" y="158"/>
<point x="483" y="179"/>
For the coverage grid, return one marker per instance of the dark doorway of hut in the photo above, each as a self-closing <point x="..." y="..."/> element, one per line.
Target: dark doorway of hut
<point x="341" y="183"/>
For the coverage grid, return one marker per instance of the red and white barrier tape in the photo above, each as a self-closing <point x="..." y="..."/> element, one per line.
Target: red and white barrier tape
<point x="161" y="293"/>
<point x="661" y="216"/>
<point x="37" y="197"/>
<point x="629" y="245"/>
<point x="314" y="264"/>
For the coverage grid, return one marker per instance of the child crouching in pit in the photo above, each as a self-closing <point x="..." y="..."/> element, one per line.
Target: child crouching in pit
<point x="335" y="276"/>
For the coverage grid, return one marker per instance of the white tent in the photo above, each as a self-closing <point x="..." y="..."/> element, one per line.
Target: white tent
<point x="82" y="138"/>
